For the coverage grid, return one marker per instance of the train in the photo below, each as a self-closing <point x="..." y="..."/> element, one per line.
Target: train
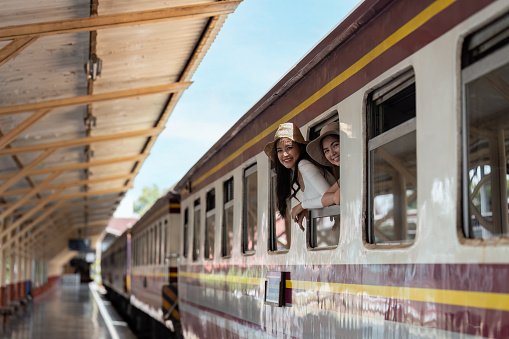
<point x="420" y="93"/>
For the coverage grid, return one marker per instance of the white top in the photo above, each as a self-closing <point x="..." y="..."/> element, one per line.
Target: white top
<point x="315" y="185"/>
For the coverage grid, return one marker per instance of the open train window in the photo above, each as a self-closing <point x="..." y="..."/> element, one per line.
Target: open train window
<point x="196" y="230"/>
<point x="227" y="226"/>
<point x="392" y="162"/>
<point x="186" y="232"/>
<point x="323" y="230"/>
<point x="280" y="231"/>
<point x="485" y="131"/>
<point x="250" y="210"/>
<point x="210" y="224"/>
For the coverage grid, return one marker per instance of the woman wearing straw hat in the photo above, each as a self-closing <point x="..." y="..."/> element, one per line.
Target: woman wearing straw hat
<point x="325" y="151"/>
<point x="295" y="170"/>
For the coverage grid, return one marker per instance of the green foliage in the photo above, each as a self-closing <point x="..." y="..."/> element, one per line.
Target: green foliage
<point x="147" y="198"/>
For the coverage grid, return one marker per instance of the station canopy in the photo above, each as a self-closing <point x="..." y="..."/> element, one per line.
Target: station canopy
<point x="86" y="88"/>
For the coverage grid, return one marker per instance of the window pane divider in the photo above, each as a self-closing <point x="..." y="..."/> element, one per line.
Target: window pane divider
<point x="392" y="134"/>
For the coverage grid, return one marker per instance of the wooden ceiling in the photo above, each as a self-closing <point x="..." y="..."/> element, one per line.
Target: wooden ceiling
<point x="71" y="140"/>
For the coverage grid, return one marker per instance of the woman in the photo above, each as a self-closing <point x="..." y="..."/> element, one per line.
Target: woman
<point x="295" y="170"/>
<point x="325" y="151"/>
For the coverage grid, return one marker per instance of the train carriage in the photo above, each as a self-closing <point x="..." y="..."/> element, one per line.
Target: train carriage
<point x="139" y="270"/>
<point x="418" y="246"/>
<point x="114" y="266"/>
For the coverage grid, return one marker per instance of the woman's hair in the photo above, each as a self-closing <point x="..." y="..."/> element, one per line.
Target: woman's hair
<point x="286" y="179"/>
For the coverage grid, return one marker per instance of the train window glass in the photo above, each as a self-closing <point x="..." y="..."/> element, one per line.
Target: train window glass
<point x="185" y="233"/>
<point x="196" y="230"/>
<point x="227" y="226"/>
<point x="152" y="245"/>
<point x="155" y="245"/>
<point x="159" y="244"/>
<point x="138" y="251"/>
<point x="210" y="224"/>
<point x="392" y="162"/>
<point x="164" y="250"/>
<point x="323" y="230"/>
<point x="145" y="247"/>
<point x="280" y="226"/>
<point x="135" y="251"/>
<point x="485" y="132"/>
<point x="250" y="210"/>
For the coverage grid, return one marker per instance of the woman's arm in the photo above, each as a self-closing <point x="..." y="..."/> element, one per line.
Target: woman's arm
<point x="315" y="185"/>
<point x="329" y="197"/>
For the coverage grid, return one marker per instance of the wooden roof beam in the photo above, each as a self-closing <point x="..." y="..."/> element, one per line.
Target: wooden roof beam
<point x="80" y="166"/>
<point x="93" y="98"/>
<point x="69" y="184"/>
<point x="81" y="203"/>
<point x="27" y="196"/>
<point x="22" y="127"/>
<point x="52" y="146"/>
<point x="12" y="180"/>
<point x="15" y="47"/>
<point x="51" y="209"/>
<point x="28" y="214"/>
<point x="119" y="20"/>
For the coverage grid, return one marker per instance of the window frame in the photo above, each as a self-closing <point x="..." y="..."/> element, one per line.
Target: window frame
<point x="374" y="99"/>
<point x="475" y="70"/>
<point x="227" y="205"/>
<point x="250" y="170"/>
<point x="272" y="239"/>
<point x="328" y="211"/>
<point x="196" y="229"/>
<point x="209" y="212"/>
<point x="185" y="233"/>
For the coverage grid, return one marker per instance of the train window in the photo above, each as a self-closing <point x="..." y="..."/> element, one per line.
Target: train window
<point x="280" y="226"/>
<point x="152" y="245"/>
<point x="145" y="248"/>
<point x="323" y="230"/>
<point x="196" y="230"/>
<point x="392" y="162"/>
<point x="250" y="210"/>
<point x="159" y="244"/>
<point x="185" y="233"/>
<point x="164" y="250"/>
<point x="485" y="132"/>
<point x="135" y="251"/>
<point x="227" y="226"/>
<point x="210" y="224"/>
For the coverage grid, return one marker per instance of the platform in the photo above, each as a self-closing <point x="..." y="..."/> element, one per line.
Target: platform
<point x="78" y="311"/>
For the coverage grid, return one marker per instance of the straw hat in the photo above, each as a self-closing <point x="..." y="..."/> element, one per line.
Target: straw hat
<point x="315" y="149"/>
<point x="286" y="130"/>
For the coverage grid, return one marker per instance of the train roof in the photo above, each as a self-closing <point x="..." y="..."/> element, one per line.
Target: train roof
<point x="360" y="16"/>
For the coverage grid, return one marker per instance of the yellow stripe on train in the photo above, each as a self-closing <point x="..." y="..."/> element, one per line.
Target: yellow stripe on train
<point x="159" y="275"/>
<point x="496" y="301"/>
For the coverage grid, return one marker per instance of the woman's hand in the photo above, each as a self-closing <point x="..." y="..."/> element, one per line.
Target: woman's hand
<point x="300" y="218"/>
<point x="296" y="211"/>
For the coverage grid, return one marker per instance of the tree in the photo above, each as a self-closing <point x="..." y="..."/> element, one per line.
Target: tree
<point x="147" y="198"/>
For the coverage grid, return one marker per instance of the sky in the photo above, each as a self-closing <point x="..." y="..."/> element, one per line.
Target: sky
<point x="257" y="45"/>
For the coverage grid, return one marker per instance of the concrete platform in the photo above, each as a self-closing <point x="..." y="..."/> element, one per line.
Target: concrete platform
<point x="66" y="311"/>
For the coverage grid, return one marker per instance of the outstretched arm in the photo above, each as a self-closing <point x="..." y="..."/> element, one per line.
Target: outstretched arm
<point x="331" y="197"/>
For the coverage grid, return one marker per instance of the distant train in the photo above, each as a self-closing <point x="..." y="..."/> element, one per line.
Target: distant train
<point x="420" y="91"/>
